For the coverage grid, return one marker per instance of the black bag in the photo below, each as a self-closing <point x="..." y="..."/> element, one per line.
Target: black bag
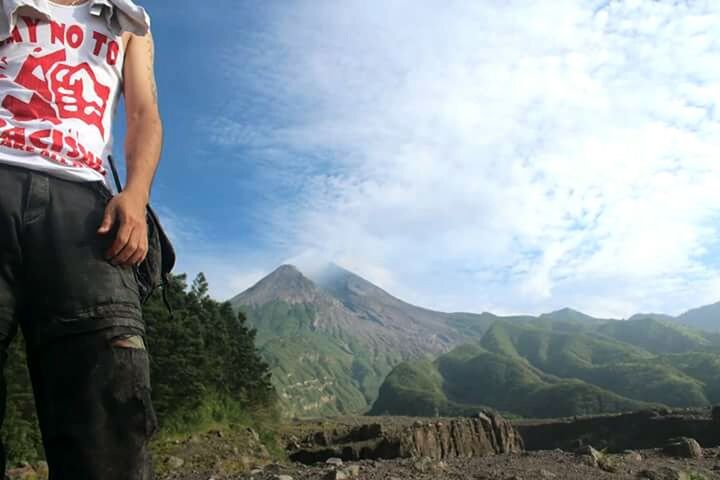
<point x="153" y="272"/>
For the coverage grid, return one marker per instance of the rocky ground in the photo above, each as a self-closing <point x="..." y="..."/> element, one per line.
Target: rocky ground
<point x="217" y="454"/>
<point x="680" y="459"/>
<point x="439" y="448"/>
<point x="215" y="457"/>
<point x="483" y="447"/>
<point x="651" y="465"/>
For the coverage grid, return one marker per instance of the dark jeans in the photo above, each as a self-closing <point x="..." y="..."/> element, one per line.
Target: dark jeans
<point x="92" y="395"/>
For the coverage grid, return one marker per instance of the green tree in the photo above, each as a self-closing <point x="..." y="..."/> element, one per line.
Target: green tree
<point x="204" y="366"/>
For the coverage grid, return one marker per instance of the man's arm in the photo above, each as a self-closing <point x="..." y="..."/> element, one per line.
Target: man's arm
<point x="142" y="153"/>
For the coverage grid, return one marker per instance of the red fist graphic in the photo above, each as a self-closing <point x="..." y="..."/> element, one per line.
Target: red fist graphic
<point x="59" y="91"/>
<point x="78" y="94"/>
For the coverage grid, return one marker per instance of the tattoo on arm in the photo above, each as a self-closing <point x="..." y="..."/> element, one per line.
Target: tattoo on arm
<point x="151" y="74"/>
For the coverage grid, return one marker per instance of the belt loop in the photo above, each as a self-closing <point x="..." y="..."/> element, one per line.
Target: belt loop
<point x="104" y="190"/>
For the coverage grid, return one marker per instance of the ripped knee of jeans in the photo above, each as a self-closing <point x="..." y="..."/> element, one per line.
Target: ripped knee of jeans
<point x="128" y="341"/>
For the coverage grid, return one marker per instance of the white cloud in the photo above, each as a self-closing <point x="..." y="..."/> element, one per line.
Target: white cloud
<point x="509" y="156"/>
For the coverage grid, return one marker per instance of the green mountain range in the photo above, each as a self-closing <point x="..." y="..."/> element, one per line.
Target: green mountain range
<point x="704" y="318"/>
<point x="331" y="342"/>
<point x="338" y="344"/>
<point x="537" y="369"/>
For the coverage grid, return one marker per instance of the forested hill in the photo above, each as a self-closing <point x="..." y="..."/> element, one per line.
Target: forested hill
<point x="331" y="337"/>
<point x="705" y="318"/>
<point x="556" y="369"/>
<point x="204" y="368"/>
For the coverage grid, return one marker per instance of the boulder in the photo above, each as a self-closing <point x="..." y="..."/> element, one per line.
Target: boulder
<point x="684" y="448"/>
<point x="352" y="471"/>
<point x="589" y="455"/>
<point x="337" y="462"/>
<point x="594" y="458"/>
<point x="174" y="462"/>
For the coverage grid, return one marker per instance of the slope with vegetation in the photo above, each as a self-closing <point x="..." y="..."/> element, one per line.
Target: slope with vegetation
<point x="551" y="368"/>
<point x="332" y="340"/>
<point x="704" y="318"/>
<point x="332" y="337"/>
<point x="659" y="334"/>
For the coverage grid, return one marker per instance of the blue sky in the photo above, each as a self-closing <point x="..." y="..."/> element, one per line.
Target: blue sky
<point x="513" y="156"/>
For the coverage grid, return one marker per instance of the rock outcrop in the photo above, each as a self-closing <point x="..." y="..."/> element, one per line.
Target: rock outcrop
<point x="615" y="433"/>
<point x="463" y="437"/>
<point x="485" y="434"/>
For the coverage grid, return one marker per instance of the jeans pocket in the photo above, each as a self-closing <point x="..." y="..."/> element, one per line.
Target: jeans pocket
<point x="129" y="278"/>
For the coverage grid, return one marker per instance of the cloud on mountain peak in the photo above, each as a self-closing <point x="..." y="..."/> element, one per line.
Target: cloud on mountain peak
<point x="505" y="156"/>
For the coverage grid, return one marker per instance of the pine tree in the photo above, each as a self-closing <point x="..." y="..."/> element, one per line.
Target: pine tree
<point x="203" y="351"/>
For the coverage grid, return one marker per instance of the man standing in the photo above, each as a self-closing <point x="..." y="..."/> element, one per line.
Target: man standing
<point x="67" y="246"/>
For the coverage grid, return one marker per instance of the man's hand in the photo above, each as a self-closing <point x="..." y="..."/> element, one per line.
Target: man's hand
<point x="131" y="243"/>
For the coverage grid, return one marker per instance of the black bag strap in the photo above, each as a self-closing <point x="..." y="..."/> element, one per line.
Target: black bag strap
<point x="116" y="177"/>
<point x="168" y="259"/>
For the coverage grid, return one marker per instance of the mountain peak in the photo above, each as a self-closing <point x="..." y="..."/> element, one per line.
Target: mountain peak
<point x="563" y="311"/>
<point x="286" y="270"/>
<point x="287" y="277"/>
<point x="568" y="314"/>
<point x="285" y="283"/>
<point x="651" y="317"/>
<point x="566" y="311"/>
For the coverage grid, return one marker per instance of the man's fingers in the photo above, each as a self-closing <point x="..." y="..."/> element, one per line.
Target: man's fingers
<point x="127" y="216"/>
<point x="140" y="252"/>
<point x="133" y="250"/>
<point x="138" y="257"/>
<point x="108" y="219"/>
<point x="126" y="253"/>
<point x="121" y="240"/>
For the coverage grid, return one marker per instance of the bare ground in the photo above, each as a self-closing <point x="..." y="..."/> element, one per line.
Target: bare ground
<point x="241" y="454"/>
<point x="527" y="466"/>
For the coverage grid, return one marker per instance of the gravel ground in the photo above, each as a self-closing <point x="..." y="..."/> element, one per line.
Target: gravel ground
<point x="649" y="464"/>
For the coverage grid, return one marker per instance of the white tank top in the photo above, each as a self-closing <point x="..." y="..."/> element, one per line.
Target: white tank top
<point x="59" y="86"/>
